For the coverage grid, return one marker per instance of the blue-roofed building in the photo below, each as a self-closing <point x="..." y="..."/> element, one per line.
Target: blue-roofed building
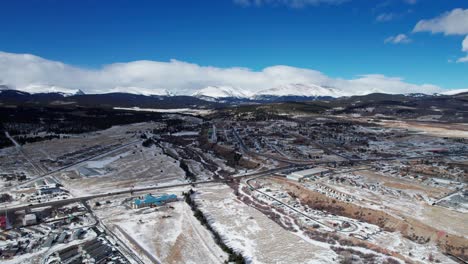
<point x="150" y="200"/>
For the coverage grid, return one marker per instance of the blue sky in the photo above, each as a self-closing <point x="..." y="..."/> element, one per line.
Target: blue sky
<point x="342" y="40"/>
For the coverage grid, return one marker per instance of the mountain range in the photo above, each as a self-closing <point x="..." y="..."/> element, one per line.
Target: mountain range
<point x="210" y="96"/>
<point x="292" y="91"/>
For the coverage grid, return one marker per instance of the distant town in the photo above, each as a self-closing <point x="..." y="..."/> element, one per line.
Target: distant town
<point x="255" y="183"/>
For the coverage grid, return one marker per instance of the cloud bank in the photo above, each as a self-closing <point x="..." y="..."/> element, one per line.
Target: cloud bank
<point x="32" y="73"/>
<point x="454" y="22"/>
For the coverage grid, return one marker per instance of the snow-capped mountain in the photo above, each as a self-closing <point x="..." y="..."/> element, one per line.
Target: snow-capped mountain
<point x="221" y="92"/>
<point x="4" y="87"/>
<point x="454" y="92"/>
<point x="299" y="90"/>
<point x="44" y="88"/>
<point x="287" y="90"/>
<point x="141" y="91"/>
<point x="79" y="92"/>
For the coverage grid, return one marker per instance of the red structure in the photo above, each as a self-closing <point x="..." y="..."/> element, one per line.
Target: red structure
<point x="3" y="222"/>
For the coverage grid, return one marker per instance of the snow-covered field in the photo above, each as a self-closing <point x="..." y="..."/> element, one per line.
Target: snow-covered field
<point x="188" y="111"/>
<point x="438" y="130"/>
<point x="135" y="166"/>
<point x="251" y="233"/>
<point x="401" y="200"/>
<point x="171" y="235"/>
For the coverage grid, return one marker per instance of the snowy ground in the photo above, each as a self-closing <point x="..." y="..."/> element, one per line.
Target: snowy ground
<point x="171" y="235"/>
<point x="188" y="111"/>
<point x="394" y="242"/>
<point x="35" y="159"/>
<point x="402" y="200"/>
<point x="253" y="234"/>
<point x="135" y="166"/>
<point x="435" y="129"/>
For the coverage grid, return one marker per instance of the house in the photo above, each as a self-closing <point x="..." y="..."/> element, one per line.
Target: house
<point x="150" y="200"/>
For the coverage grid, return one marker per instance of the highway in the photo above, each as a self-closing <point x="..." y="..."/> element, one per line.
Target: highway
<point x="143" y="189"/>
<point x="101" y="195"/>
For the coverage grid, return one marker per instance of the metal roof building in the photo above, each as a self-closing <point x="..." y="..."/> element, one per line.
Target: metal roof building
<point x="150" y="200"/>
<point x="299" y="175"/>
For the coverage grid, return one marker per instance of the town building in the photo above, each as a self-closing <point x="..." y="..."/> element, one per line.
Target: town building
<point x="150" y="200"/>
<point x="300" y="175"/>
<point x="29" y="219"/>
<point x="3" y="222"/>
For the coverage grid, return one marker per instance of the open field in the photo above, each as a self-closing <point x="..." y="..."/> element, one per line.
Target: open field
<point x="254" y="235"/>
<point x="431" y="128"/>
<point x="171" y="234"/>
<point x="134" y="166"/>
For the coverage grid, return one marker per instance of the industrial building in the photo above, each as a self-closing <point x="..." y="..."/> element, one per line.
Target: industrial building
<point x="150" y="200"/>
<point x="46" y="189"/>
<point x="300" y="175"/>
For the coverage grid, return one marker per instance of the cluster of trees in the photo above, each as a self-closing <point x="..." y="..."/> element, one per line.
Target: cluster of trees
<point x="25" y="139"/>
<point x="233" y="256"/>
<point x="5" y="197"/>
<point x="188" y="174"/>
<point x="148" y="142"/>
<point x="4" y="141"/>
<point x="60" y="120"/>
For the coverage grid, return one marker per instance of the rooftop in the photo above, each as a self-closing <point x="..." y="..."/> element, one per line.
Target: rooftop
<point x="150" y="199"/>
<point x="308" y="172"/>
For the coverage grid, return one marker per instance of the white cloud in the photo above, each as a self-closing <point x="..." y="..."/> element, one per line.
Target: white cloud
<point x="463" y="59"/>
<point x="464" y="48"/>
<point x="385" y="17"/>
<point x="398" y="39"/>
<point x="454" y="22"/>
<point x="289" y="3"/>
<point x="24" y="71"/>
<point x="465" y="44"/>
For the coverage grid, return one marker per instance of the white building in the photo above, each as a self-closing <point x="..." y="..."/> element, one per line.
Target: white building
<point x="29" y="219"/>
<point x="300" y="175"/>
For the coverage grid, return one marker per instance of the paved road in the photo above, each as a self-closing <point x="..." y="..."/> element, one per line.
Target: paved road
<point x="101" y="195"/>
